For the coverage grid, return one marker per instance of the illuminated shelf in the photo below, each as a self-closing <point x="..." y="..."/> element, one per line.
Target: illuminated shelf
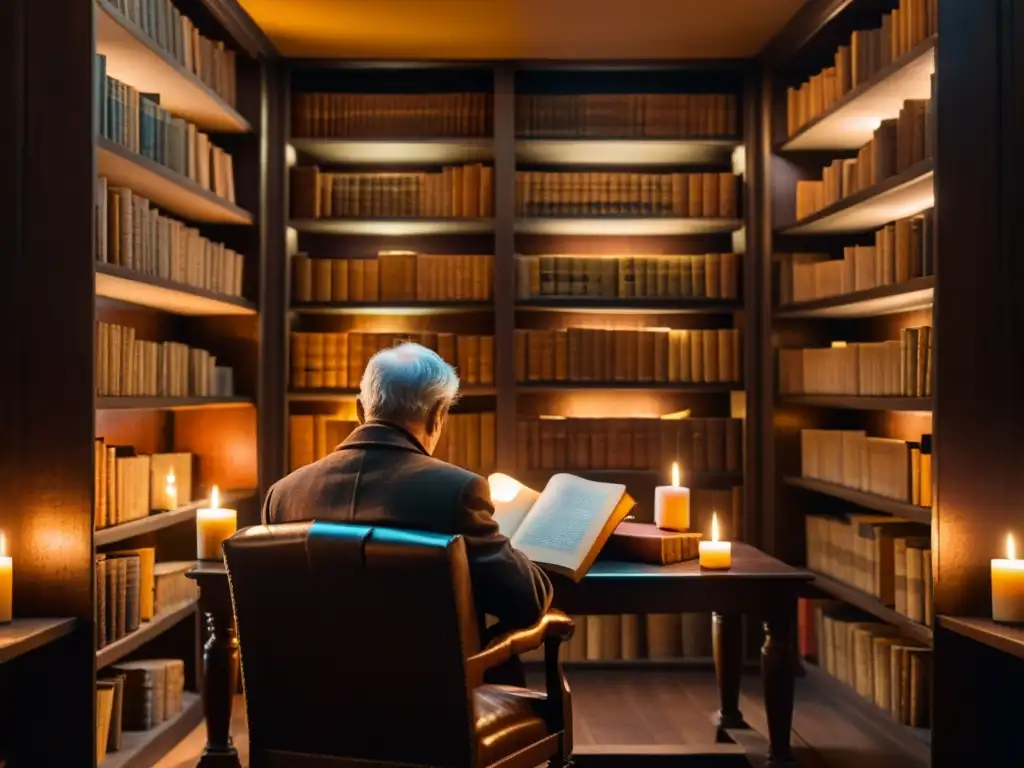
<point x="163" y="187"/>
<point x="405" y="226"/>
<point x="656" y="306"/>
<point x="628" y="476"/>
<point x="624" y="225"/>
<point x="645" y="152"/>
<point x="141" y="749"/>
<point x="161" y="520"/>
<point x="327" y="395"/>
<point x="1002" y="637"/>
<point x="899" y="196"/>
<point x="396" y="152"/>
<point x="160" y="623"/>
<point x="135" y="60"/>
<point x="384" y="308"/>
<point x="23" y="635"/>
<point x="170" y="403"/>
<point x="628" y="386"/>
<point x="850" y="123"/>
<point x="872" y="605"/>
<point x="123" y="284"/>
<point x="884" y="300"/>
<point x="912" y="512"/>
<point x="861" y="402"/>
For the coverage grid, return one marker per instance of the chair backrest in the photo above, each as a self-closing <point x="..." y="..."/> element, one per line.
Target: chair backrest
<point x="354" y="641"/>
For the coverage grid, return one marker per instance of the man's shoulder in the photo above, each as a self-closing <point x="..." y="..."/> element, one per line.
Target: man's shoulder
<point x="447" y="473"/>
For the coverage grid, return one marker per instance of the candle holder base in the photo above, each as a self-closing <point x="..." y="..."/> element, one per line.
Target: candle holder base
<point x="716" y="567"/>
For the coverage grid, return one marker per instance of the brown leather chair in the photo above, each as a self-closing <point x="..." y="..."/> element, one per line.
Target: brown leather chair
<point x="360" y="647"/>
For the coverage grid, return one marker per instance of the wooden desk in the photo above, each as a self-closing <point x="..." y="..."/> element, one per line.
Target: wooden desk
<point x="757" y="585"/>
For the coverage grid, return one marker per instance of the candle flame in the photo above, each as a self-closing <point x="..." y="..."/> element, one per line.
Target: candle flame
<point x="3" y="545"/>
<point x="1011" y="549"/>
<point x="675" y="474"/>
<point x="714" y="526"/>
<point x="503" y="487"/>
<point x="215" y="498"/>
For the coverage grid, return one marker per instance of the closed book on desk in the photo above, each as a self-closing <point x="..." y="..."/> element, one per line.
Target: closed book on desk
<point x="646" y="543"/>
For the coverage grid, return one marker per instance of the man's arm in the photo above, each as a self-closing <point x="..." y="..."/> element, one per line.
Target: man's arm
<point x="506" y="583"/>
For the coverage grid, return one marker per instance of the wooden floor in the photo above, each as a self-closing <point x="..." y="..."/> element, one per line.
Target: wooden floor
<point x="676" y="706"/>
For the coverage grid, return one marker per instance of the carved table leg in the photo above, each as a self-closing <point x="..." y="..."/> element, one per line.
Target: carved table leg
<point x="778" y="672"/>
<point x="220" y="681"/>
<point x="727" y="639"/>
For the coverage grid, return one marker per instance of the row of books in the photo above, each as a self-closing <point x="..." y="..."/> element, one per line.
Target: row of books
<point x="598" y="193"/>
<point x="403" y="276"/>
<point x="467" y="440"/>
<point x="136" y="695"/>
<point x="391" y="115"/>
<point x="132" y="588"/>
<point x="885" y="556"/>
<point x="896" y="469"/>
<point x="627" y="115"/>
<point x="900" y="368"/>
<point x="697" y="444"/>
<point x="867" y="52"/>
<point x="129" y="485"/>
<point x="898" y="144"/>
<point x="138" y="123"/>
<point x="903" y="251"/>
<point x="629" y="355"/>
<point x="331" y="360"/>
<point x="128" y="366"/>
<point x="710" y="275"/>
<point x="132" y="233"/>
<point x="890" y="671"/>
<point x="628" y="637"/>
<point x="175" y="34"/>
<point x="460" y="191"/>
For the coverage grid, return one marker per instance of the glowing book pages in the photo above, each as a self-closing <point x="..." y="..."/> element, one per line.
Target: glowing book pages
<point x="563" y="527"/>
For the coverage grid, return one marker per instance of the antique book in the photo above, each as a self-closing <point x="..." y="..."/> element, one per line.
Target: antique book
<point x="645" y="543"/>
<point x="563" y="527"/>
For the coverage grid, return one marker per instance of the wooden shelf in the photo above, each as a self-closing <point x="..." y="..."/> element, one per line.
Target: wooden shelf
<point x="874" y="302"/>
<point x="872" y="605"/>
<point x="895" y="198"/>
<point x="861" y="403"/>
<point x="161" y="520"/>
<point x="912" y="512"/>
<point x="850" y="123"/>
<point x="624" y="225"/>
<point x="394" y="227"/>
<point x="383" y="308"/>
<point x="117" y="650"/>
<point x="163" y="187"/>
<point x="327" y="395"/>
<point x="630" y="386"/>
<point x="640" y="152"/>
<point x="170" y="403"/>
<point x="608" y="306"/>
<point x="1004" y="638"/>
<point x="625" y="476"/>
<point x="141" y="749"/>
<point x="24" y="635"/>
<point x="122" y="284"/>
<point x="136" y="60"/>
<point x="418" y="152"/>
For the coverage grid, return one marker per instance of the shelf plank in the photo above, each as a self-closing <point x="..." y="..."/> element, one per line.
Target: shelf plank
<point x="418" y="152"/>
<point x="861" y="403"/>
<point x="328" y="395"/>
<point x="912" y="512"/>
<point x="393" y="227"/>
<point x="417" y="308"/>
<point x="129" y="285"/>
<point x="23" y="635"/>
<point x="628" y="386"/>
<point x="170" y="403"/>
<point x="608" y="306"/>
<point x="163" y="187"/>
<point x="624" y="225"/>
<point x="136" y="60"/>
<point x="160" y="520"/>
<point x="626" y="476"/>
<point x="117" y="650"/>
<point x="642" y="152"/>
<point x="1004" y="638"/>
<point x="850" y="123"/>
<point x="895" y="198"/>
<point x="872" y="605"/>
<point x="141" y="749"/>
<point x="874" y="302"/>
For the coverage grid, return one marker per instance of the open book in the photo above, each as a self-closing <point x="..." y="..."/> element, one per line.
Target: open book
<point x="564" y="527"/>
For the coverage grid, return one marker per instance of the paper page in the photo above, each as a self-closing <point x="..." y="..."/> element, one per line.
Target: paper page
<point x="512" y="502"/>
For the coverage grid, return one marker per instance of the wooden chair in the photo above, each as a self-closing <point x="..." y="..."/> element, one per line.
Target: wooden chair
<point x="360" y="647"/>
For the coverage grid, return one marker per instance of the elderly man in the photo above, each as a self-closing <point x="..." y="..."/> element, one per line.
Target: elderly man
<point x="384" y="474"/>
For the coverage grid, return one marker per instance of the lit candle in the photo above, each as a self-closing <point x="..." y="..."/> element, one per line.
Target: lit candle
<point x="715" y="554"/>
<point x="672" y="504"/>
<point x="213" y="526"/>
<point x="6" y="582"/>
<point x="1008" y="586"/>
<point x="171" y="490"/>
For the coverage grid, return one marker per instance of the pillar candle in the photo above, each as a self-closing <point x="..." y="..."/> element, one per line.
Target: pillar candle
<point x="6" y="583"/>
<point x="672" y="504"/>
<point x="213" y="526"/>
<point x="715" y="554"/>
<point x="1008" y="586"/>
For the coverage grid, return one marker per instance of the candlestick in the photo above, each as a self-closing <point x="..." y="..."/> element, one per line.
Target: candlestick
<point x="1008" y="586"/>
<point x="715" y="555"/>
<point x="6" y="582"/>
<point x="672" y="504"/>
<point x="171" y="490"/>
<point x="213" y="526"/>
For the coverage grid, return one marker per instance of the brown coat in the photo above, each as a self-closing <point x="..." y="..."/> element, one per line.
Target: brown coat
<point x="382" y="476"/>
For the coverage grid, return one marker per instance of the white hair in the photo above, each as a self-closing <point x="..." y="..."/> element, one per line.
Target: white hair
<point x="405" y="382"/>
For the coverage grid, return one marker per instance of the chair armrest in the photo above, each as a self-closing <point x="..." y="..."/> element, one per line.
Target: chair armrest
<point x="553" y="625"/>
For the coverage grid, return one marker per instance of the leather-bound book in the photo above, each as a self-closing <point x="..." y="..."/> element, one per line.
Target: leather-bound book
<point x="645" y="543"/>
